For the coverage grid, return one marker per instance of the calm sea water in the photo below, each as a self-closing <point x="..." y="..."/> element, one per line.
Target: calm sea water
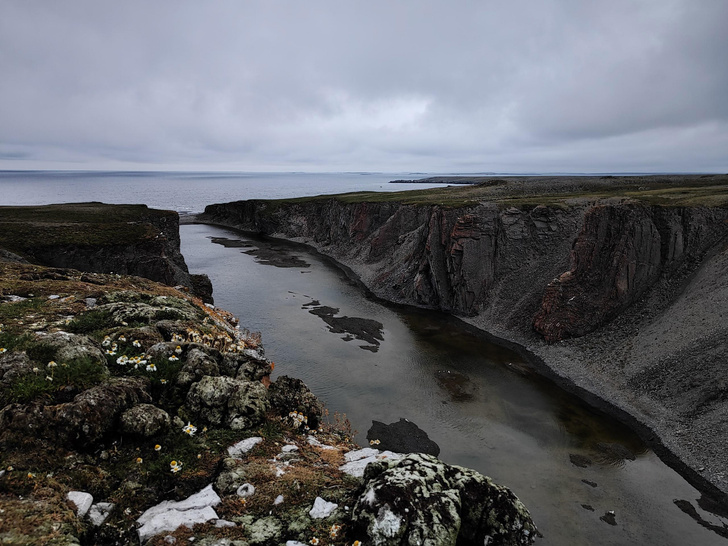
<point x="477" y="400"/>
<point x="184" y="192"/>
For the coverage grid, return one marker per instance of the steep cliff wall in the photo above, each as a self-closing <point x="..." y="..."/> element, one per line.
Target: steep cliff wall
<point x="620" y="253"/>
<point x="563" y="270"/>
<point x="100" y="238"/>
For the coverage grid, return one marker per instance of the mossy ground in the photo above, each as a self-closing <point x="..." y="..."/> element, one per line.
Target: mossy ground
<point x="25" y="229"/>
<point x="131" y="472"/>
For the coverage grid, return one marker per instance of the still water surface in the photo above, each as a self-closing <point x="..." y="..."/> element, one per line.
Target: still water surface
<point x="477" y="400"/>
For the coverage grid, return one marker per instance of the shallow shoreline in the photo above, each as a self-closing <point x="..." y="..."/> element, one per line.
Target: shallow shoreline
<point x="547" y="364"/>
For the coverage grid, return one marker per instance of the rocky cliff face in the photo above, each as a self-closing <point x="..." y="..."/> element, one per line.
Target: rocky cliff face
<point x="564" y="271"/>
<point x="465" y="261"/>
<point x="100" y="238"/>
<point x="619" y="254"/>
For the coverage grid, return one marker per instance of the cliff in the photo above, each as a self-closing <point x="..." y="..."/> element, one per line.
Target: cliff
<point x="101" y="238"/>
<point x="576" y="270"/>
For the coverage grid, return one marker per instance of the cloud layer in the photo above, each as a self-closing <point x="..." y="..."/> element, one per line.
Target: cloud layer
<point x="519" y="86"/>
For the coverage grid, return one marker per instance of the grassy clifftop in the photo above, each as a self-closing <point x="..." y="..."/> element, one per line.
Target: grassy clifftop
<point x="26" y="229"/>
<point x="667" y="190"/>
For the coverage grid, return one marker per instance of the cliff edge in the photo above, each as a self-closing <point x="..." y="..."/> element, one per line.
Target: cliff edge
<point x="616" y="284"/>
<point x="101" y="238"/>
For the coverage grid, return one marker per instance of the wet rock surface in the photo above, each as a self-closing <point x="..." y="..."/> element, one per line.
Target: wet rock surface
<point x="402" y="436"/>
<point x="420" y="500"/>
<point x="363" y="329"/>
<point x="265" y="253"/>
<point x="457" y="385"/>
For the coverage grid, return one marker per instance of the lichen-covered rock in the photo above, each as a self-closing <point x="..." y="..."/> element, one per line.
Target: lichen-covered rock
<point x="198" y="364"/>
<point x="289" y="394"/>
<point x="265" y="531"/>
<point x="226" y="401"/>
<point x="232" y="476"/>
<point x="145" y="420"/>
<point x="421" y="500"/>
<point x="84" y="421"/>
<point x="72" y="347"/>
<point x="249" y="365"/>
<point x="12" y="366"/>
<point x="148" y="313"/>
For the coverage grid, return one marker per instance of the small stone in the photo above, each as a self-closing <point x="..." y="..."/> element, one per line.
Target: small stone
<point x="581" y="461"/>
<point x="321" y="508"/>
<point x="82" y="500"/>
<point x="244" y="446"/>
<point x="609" y="518"/>
<point x="99" y="512"/>
<point x="246" y="490"/>
<point x="279" y="500"/>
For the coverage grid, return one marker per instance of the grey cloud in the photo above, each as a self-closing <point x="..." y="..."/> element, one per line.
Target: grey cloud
<point x="523" y="85"/>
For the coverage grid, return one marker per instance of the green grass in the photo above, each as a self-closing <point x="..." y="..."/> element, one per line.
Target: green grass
<point x="19" y="309"/>
<point x="72" y="376"/>
<point x="93" y="320"/>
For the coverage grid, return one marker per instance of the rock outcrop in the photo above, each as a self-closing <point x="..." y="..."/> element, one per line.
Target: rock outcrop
<point x="95" y="237"/>
<point x="620" y="253"/>
<point x="420" y="500"/>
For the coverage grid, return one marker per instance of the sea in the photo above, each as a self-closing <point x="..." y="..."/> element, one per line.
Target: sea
<point x="480" y="402"/>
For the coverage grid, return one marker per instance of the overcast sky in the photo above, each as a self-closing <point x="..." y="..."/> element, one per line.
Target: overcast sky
<point x="395" y="85"/>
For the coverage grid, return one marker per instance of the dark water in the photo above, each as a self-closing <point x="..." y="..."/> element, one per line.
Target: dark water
<point x="478" y="401"/>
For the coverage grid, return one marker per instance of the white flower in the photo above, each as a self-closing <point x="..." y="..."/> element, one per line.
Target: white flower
<point x="2" y="349"/>
<point x="106" y="342"/>
<point x="175" y="467"/>
<point x="52" y="364"/>
<point x="173" y="358"/>
<point x="189" y="429"/>
<point x="49" y="378"/>
<point x="178" y="350"/>
<point x="136" y="343"/>
<point x="151" y="368"/>
<point x="122" y="338"/>
<point x="123" y="359"/>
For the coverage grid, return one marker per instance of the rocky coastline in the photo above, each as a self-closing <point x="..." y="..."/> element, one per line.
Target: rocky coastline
<point x="613" y="286"/>
<point x="133" y="411"/>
